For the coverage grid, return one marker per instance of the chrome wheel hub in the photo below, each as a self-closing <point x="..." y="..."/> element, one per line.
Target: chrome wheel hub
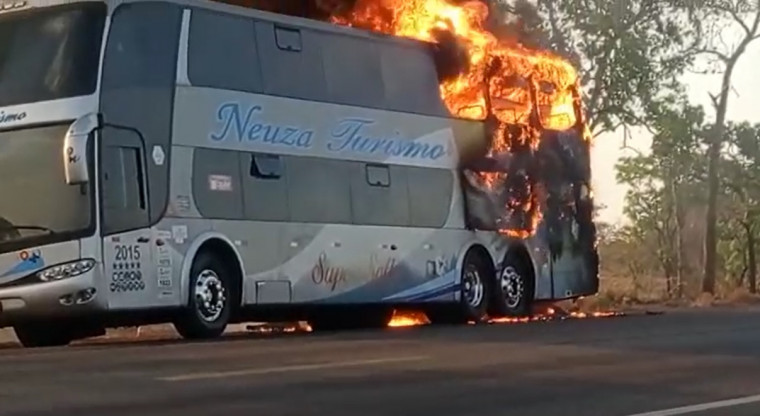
<point x="474" y="288"/>
<point x="210" y="295"/>
<point x="512" y="286"/>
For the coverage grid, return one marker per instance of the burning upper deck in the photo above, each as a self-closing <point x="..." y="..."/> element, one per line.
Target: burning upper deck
<point x="499" y="69"/>
<point x="520" y="93"/>
<point x="488" y="68"/>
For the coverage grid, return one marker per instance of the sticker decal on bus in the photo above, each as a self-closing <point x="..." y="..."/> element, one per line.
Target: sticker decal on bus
<point x="158" y="155"/>
<point x="29" y="260"/>
<point x="221" y="183"/>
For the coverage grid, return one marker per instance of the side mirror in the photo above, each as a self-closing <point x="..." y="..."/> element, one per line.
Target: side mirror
<point x="75" y="157"/>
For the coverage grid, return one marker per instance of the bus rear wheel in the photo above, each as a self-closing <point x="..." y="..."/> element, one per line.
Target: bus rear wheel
<point x="36" y="334"/>
<point x="209" y="308"/>
<point x="474" y="292"/>
<point x="513" y="294"/>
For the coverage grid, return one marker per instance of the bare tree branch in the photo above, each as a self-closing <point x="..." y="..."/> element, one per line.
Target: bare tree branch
<point x="715" y="99"/>
<point x="718" y="54"/>
<point x="626" y="147"/>
<point x="735" y="16"/>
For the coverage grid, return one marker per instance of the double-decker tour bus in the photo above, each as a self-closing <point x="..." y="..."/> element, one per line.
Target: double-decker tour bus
<point x="201" y="164"/>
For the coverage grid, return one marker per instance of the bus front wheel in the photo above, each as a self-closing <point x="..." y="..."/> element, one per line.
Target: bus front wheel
<point x="209" y="308"/>
<point x="35" y="334"/>
<point x="475" y="288"/>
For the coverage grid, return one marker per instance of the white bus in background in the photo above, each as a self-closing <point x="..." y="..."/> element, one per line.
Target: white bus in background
<point x="201" y="164"/>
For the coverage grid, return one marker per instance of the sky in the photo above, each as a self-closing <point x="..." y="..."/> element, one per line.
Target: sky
<point x="744" y="105"/>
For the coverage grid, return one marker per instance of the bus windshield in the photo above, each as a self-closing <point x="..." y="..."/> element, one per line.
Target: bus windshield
<point x="50" y="53"/>
<point x="38" y="207"/>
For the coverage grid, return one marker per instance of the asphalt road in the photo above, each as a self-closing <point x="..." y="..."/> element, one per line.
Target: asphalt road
<point x="608" y="367"/>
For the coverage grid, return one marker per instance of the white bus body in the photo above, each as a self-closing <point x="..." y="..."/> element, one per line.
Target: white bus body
<point x="199" y="163"/>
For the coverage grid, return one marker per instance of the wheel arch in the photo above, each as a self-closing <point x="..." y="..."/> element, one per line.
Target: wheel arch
<point x="219" y="244"/>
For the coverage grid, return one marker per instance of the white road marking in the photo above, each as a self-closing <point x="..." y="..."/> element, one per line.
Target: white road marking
<point x="703" y="407"/>
<point x="290" y="368"/>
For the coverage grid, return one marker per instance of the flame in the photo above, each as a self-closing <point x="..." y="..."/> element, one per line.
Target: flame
<point x="414" y="318"/>
<point x="408" y="318"/>
<point x="465" y="95"/>
<point x="504" y="83"/>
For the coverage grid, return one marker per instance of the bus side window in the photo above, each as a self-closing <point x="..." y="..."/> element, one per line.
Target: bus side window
<point x="287" y="39"/>
<point x="378" y="175"/>
<point x="266" y="166"/>
<point x="125" y="205"/>
<point x="265" y="191"/>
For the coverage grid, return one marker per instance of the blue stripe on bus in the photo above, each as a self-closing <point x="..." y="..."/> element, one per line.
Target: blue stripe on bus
<point x="431" y="293"/>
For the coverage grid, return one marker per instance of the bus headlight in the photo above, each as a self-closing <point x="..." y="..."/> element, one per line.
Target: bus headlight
<point x="66" y="270"/>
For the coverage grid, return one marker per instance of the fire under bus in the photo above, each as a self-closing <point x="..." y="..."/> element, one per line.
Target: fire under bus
<point x="203" y="164"/>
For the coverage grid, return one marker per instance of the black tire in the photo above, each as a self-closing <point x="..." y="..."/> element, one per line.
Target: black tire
<point x="199" y="320"/>
<point x="472" y="306"/>
<point x="514" y="289"/>
<point x="35" y="335"/>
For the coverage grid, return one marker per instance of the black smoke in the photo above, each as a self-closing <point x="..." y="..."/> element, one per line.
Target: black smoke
<point x="311" y="9"/>
<point x="450" y="54"/>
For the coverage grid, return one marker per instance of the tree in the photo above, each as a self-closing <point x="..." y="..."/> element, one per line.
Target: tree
<point x="664" y="181"/>
<point x="742" y="196"/>
<point x="717" y="16"/>
<point x="652" y="220"/>
<point x="628" y="52"/>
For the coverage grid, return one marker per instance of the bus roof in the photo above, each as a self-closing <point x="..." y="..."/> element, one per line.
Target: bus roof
<point x="300" y="22"/>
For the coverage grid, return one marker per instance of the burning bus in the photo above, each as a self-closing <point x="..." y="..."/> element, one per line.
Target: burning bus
<point x="203" y="163"/>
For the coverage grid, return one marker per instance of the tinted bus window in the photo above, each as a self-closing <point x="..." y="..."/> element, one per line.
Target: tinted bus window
<point x="223" y="52"/>
<point x="137" y="90"/>
<point x="38" y="206"/>
<point x="50" y="53"/>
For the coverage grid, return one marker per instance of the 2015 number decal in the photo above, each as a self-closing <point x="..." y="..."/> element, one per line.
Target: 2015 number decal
<point x="126" y="253"/>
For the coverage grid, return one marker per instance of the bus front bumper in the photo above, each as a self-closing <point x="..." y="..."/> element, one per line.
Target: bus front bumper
<point x="50" y="300"/>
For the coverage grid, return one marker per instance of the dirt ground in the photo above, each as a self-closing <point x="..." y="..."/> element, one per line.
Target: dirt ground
<point x="6" y="335"/>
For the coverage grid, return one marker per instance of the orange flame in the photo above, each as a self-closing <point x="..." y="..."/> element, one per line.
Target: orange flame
<point x="465" y="95"/>
<point x="408" y="318"/>
<point x="526" y="82"/>
<point x="415" y="318"/>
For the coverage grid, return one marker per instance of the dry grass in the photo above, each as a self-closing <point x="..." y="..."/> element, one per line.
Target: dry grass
<point x="704" y="300"/>
<point x="736" y="297"/>
<point x="623" y="291"/>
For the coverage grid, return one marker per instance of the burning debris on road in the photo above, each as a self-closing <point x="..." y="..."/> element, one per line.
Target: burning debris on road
<point x="409" y="318"/>
<point x="550" y="313"/>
